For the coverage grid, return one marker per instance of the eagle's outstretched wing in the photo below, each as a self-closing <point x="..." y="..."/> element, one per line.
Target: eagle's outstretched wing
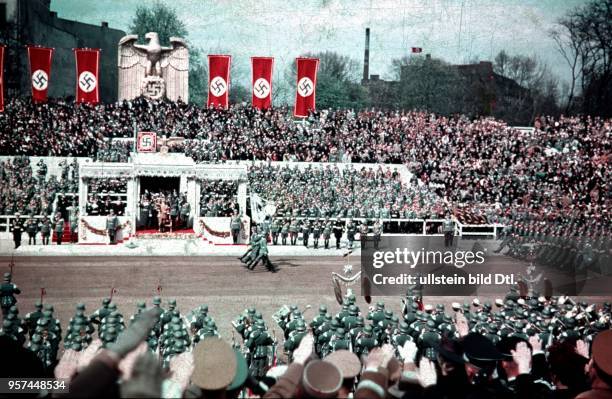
<point x="132" y="63"/>
<point x="175" y="70"/>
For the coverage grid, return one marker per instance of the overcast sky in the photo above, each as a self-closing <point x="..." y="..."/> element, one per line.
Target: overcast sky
<point x="458" y="31"/>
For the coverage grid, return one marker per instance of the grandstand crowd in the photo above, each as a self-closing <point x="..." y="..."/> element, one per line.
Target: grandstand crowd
<point x="481" y="169"/>
<point x="516" y="347"/>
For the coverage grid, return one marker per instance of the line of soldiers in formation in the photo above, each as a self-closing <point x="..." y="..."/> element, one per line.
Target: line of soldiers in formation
<point x="568" y="248"/>
<point x="290" y="229"/>
<point x="45" y="226"/>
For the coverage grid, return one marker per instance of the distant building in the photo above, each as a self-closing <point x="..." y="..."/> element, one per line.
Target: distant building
<point x="482" y="90"/>
<point x="26" y="22"/>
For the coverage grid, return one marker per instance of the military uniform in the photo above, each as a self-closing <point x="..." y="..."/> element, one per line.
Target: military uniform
<point x="294" y="339"/>
<point x="293" y="231"/>
<point x="32" y="230"/>
<point x="365" y="342"/>
<point x="363" y="234"/>
<point x="338" y="230"/>
<point x="316" y="233"/>
<point x="58" y="228"/>
<point x="8" y="290"/>
<point x="351" y="230"/>
<point x="306" y="231"/>
<point x="449" y="230"/>
<point x="285" y="232"/>
<point x="17" y="230"/>
<point x="259" y="345"/>
<point x="275" y="230"/>
<point x="376" y="233"/>
<point x="112" y="224"/>
<point x="45" y="230"/>
<point x="327" y="230"/>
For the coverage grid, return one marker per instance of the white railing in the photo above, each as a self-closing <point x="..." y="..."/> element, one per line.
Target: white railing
<point x="483" y="229"/>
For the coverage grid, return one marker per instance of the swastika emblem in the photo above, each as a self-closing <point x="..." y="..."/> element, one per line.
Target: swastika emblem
<point x="87" y="81"/>
<point x="261" y="88"/>
<point x="218" y="86"/>
<point x="305" y="87"/>
<point x="40" y="79"/>
<point x="147" y="142"/>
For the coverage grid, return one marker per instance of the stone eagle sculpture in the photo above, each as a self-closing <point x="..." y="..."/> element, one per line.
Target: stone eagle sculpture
<point x="152" y="70"/>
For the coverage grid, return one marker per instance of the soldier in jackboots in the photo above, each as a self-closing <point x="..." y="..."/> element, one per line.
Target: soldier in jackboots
<point x="365" y="341"/>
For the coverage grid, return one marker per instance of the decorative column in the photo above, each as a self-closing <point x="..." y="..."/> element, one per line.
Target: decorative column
<point x="242" y="197"/>
<point x="83" y="194"/>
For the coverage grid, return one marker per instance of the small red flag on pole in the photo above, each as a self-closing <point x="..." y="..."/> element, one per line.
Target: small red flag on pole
<point x="12" y="264"/>
<point x="113" y="291"/>
<point x="417" y="50"/>
<point x="43" y="292"/>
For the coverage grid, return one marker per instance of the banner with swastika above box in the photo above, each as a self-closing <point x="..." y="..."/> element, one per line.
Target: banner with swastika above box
<point x="40" y="71"/>
<point x="87" y="73"/>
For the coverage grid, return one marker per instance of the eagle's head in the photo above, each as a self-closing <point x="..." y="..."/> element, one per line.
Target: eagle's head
<point x="152" y="36"/>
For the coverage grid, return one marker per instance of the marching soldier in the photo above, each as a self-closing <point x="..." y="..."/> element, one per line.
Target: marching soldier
<point x="32" y="318"/>
<point x="31" y="229"/>
<point x="365" y="341"/>
<point x="376" y="233"/>
<point x="112" y="224"/>
<point x="319" y="319"/>
<point x="275" y="229"/>
<point x="259" y="344"/>
<point x="295" y="337"/>
<point x="363" y="233"/>
<point x="8" y="290"/>
<point x="45" y="230"/>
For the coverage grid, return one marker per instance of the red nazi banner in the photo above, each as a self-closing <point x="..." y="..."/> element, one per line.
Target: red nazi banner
<point x="87" y="75"/>
<point x="218" y="80"/>
<point x="305" y="93"/>
<point x="262" y="81"/>
<point x="40" y="71"/>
